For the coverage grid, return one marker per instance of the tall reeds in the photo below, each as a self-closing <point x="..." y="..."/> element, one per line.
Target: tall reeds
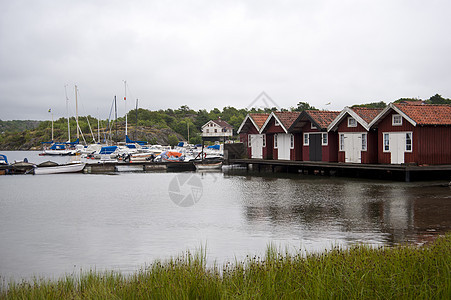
<point x="359" y="272"/>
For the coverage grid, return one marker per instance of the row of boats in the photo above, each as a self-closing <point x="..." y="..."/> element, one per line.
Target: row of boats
<point x="203" y="158"/>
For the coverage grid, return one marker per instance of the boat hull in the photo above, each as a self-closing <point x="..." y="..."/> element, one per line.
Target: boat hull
<point x="209" y="166"/>
<point x="69" y="168"/>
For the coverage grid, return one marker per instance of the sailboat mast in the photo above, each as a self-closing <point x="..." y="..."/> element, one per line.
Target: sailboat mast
<point x="98" y="125"/>
<point x="76" y="110"/>
<point x="136" y="128"/>
<point x="67" y="114"/>
<point x="125" y="100"/>
<point x="52" y="123"/>
<point x="115" y="113"/>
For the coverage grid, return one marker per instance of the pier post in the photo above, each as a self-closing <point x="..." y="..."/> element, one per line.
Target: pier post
<point x="407" y="176"/>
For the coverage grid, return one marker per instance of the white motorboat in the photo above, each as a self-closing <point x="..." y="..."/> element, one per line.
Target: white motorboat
<point x="208" y="166"/>
<point x="71" y="167"/>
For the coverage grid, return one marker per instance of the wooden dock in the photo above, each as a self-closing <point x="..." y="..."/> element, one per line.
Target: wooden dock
<point x="377" y="171"/>
<point x="111" y="167"/>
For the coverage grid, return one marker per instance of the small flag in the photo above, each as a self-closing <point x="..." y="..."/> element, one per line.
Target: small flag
<point x="50" y="110"/>
<point x="124" y="99"/>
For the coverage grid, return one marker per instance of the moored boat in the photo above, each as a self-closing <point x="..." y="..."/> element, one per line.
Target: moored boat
<point x="53" y="168"/>
<point x="208" y="166"/>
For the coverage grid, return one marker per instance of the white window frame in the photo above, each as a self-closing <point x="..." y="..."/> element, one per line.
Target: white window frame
<point x="341" y="141"/>
<point x="276" y="122"/>
<point x="364" y="142"/>
<point x="398" y="122"/>
<point x="411" y="142"/>
<point x="264" y="140"/>
<point x="291" y="141"/>
<point x="312" y="126"/>
<point x="386" y="142"/>
<point x="349" y="122"/>
<point x="324" y="139"/>
<point x="306" y="139"/>
<point x="275" y="142"/>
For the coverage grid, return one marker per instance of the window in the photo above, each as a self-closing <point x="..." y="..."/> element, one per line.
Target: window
<point x="306" y="138"/>
<point x="276" y="122"/>
<point x="207" y="130"/>
<point x="386" y="142"/>
<point x="409" y="141"/>
<point x="324" y="139"/>
<point x="342" y="142"/>
<point x="352" y="122"/>
<point x="291" y="141"/>
<point x="396" y="120"/>
<point x="264" y="140"/>
<point x="216" y="130"/>
<point x="312" y="126"/>
<point x="249" y="140"/>
<point x="275" y="141"/>
<point x="364" y="141"/>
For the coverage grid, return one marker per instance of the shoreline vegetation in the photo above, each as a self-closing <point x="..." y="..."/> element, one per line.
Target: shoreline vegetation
<point x="358" y="272"/>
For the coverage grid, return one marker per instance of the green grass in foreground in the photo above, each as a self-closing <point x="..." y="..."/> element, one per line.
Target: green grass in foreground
<point x="361" y="272"/>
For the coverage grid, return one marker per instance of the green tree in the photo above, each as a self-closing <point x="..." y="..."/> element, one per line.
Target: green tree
<point x="172" y="140"/>
<point x="304" y="106"/>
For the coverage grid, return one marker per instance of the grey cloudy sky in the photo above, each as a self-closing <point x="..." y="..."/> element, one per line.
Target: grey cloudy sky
<point x="208" y="54"/>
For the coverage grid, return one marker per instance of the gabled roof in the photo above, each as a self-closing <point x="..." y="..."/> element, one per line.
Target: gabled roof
<point x="285" y="118"/>
<point x="363" y="115"/>
<point x="320" y="118"/>
<point x="257" y="119"/>
<point x="422" y="114"/>
<point x="220" y="123"/>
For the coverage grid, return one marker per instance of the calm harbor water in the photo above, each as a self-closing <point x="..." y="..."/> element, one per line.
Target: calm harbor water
<point x="51" y="225"/>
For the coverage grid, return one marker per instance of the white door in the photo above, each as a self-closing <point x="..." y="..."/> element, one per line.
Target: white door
<point x="256" y="145"/>
<point x="397" y="147"/>
<point x="353" y="147"/>
<point x="283" y="145"/>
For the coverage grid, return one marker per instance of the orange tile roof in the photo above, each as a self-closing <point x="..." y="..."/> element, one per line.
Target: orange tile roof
<point x="287" y="118"/>
<point x="259" y="118"/>
<point x="322" y="118"/>
<point x="367" y="114"/>
<point x="427" y="114"/>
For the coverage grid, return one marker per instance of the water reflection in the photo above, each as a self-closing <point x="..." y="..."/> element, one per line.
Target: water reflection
<point x="351" y="210"/>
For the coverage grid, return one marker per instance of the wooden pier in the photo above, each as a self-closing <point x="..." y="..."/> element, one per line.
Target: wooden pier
<point x="376" y="171"/>
<point x="111" y="167"/>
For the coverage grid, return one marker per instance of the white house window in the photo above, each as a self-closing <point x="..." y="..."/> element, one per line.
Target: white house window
<point x="264" y="140"/>
<point x="306" y="139"/>
<point x="342" y="142"/>
<point x="207" y="130"/>
<point x="312" y="126"/>
<point x="386" y="142"/>
<point x="276" y="122"/>
<point x="216" y="130"/>
<point x="275" y="141"/>
<point x="249" y="140"/>
<point x="396" y="120"/>
<point x="352" y="122"/>
<point x="409" y="141"/>
<point x="291" y="141"/>
<point x="364" y="142"/>
<point x="324" y="139"/>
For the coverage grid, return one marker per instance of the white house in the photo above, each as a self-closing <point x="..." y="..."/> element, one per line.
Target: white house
<point x="217" y="128"/>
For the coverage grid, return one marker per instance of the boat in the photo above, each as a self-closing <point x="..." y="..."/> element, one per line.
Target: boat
<point x="4" y="166"/>
<point x="3" y="160"/>
<point x="21" y="167"/>
<point x="54" y="168"/>
<point x="204" y="166"/>
<point x="171" y="156"/>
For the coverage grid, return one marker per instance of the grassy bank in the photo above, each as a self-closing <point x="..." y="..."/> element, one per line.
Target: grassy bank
<point x="361" y="272"/>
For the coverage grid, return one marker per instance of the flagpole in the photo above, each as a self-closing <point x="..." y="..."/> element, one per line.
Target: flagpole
<point x="50" y="110"/>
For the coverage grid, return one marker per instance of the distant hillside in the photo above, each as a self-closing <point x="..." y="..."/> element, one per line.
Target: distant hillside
<point x="18" y="125"/>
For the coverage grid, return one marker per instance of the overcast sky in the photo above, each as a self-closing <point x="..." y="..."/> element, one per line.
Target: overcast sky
<point x="208" y="54"/>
